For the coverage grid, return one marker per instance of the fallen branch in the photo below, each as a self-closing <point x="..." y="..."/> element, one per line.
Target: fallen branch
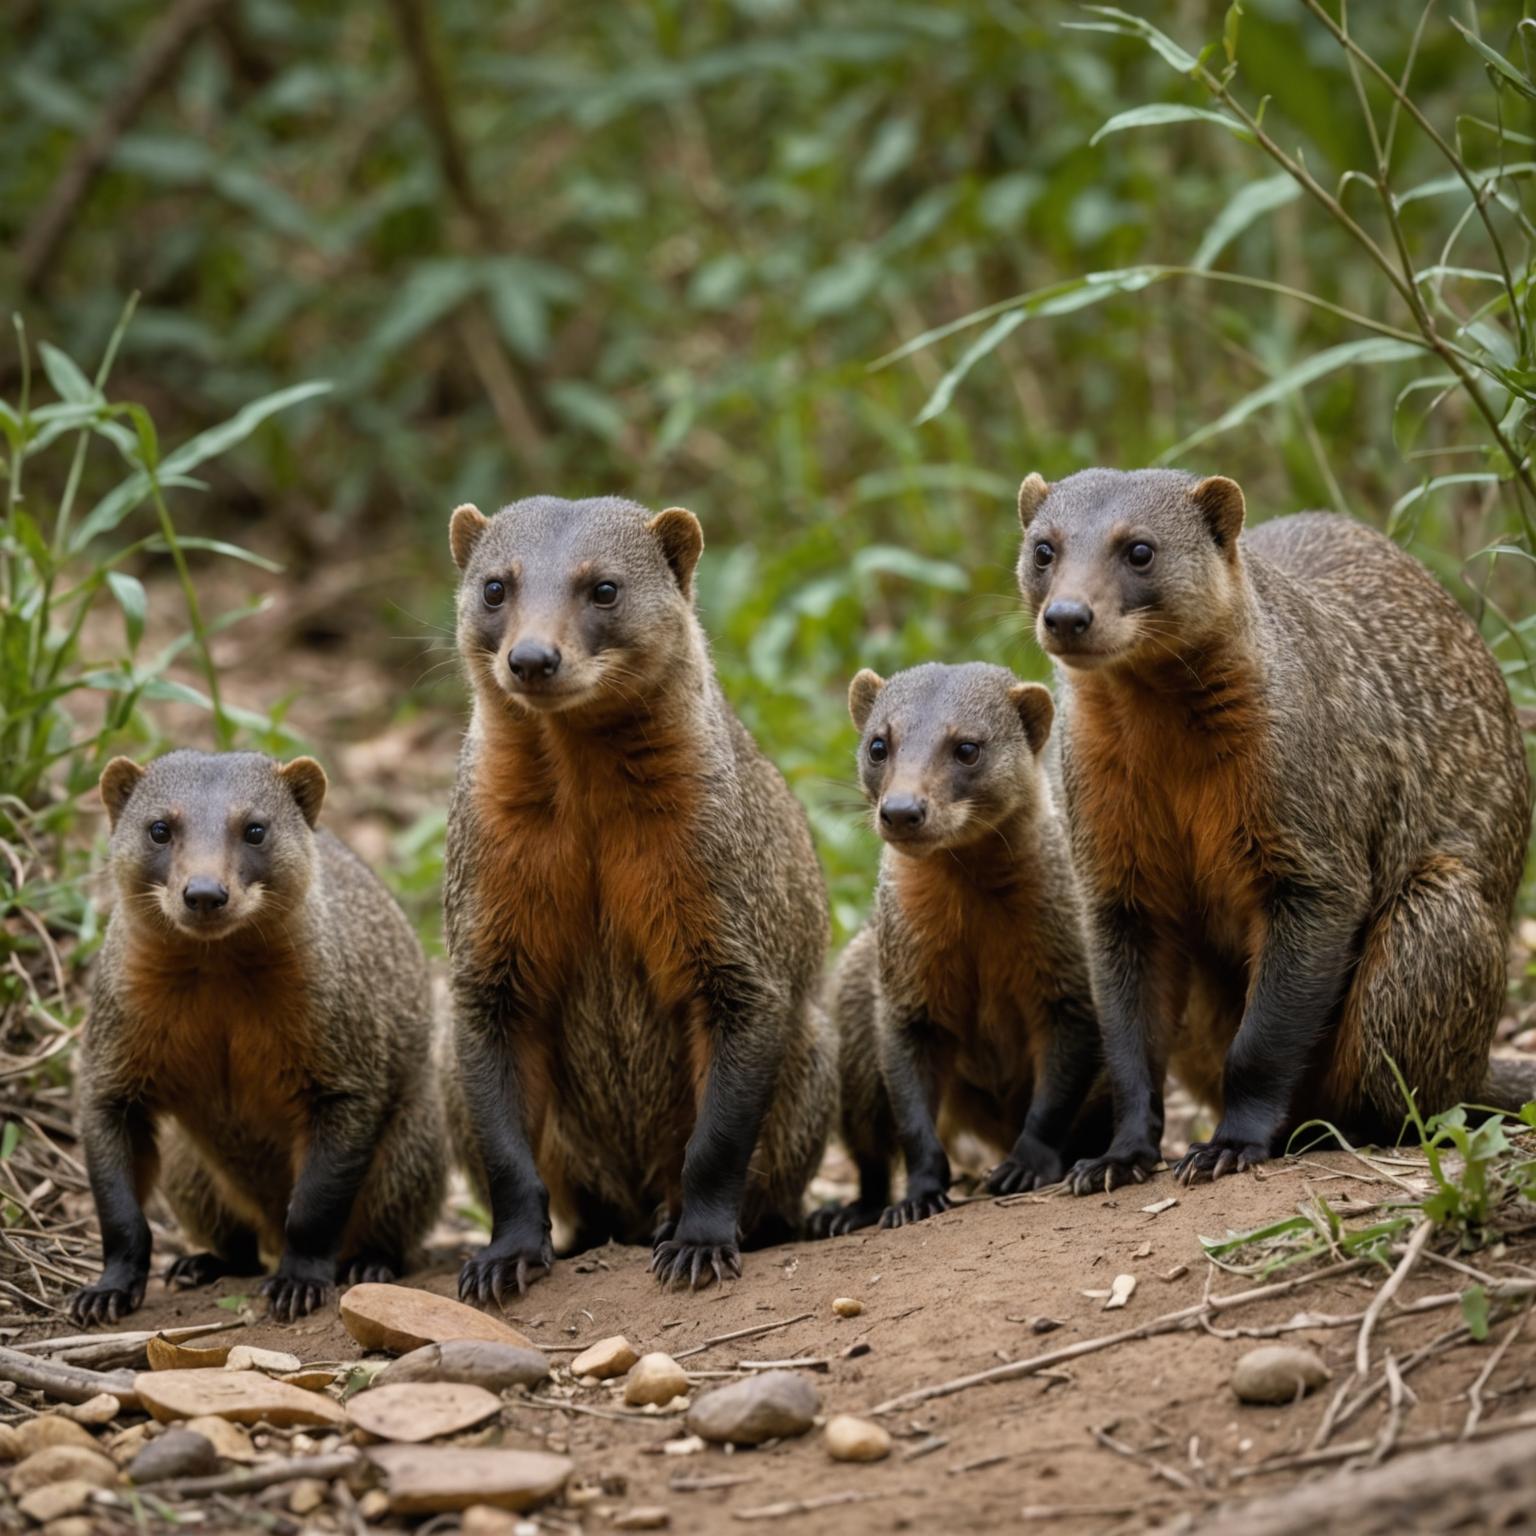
<point x="1387" y="1292"/>
<point x="66" y="1383"/>
<point x="742" y="1333"/>
<point x="324" y="1468"/>
<point x="804" y="1506"/>
<point x="1475" y="1391"/>
<point x="104" y="1351"/>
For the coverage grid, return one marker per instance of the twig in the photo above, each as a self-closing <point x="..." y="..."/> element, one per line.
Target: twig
<point x="742" y="1333"/>
<point x="1475" y="1391"/>
<point x="595" y="1413"/>
<point x="1394" y="1283"/>
<point x="1394" y="1421"/>
<point x="800" y="1362"/>
<point x="102" y="1351"/>
<point x="324" y="1468"/>
<point x="804" y="1506"/>
<point x="1089" y="1511"/>
<point x="66" y="1383"/>
<point x="1151" y="1463"/>
<point x="709" y="1483"/>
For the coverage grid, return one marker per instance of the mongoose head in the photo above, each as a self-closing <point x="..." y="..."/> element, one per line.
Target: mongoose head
<point x="206" y="843"/>
<point x="1125" y="568"/>
<point x="948" y="754"/>
<point x="570" y="605"/>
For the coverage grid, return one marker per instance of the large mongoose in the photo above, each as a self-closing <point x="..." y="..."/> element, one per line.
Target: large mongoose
<point x="1299" y="806"/>
<point x="968" y="991"/>
<point x="260" y="990"/>
<point x="636" y="919"/>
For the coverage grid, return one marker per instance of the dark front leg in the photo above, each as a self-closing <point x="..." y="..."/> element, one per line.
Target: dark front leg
<point x="1066" y="1079"/>
<point x="1131" y="1032"/>
<point x="1302" y="974"/>
<point x="705" y="1241"/>
<point x="120" y="1157"/>
<point x="496" y="1098"/>
<point x="343" y="1134"/>
<point x="909" y="1057"/>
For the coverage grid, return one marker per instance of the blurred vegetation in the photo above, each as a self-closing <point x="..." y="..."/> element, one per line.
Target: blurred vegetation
<point x="660" y="248"/>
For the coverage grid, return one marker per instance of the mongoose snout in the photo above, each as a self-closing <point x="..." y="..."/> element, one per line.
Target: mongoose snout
<point x="533" y="661"/>
<point x="1067" y="619"/>
<point x="205" y="895"/>
<point x="901" y="814"/>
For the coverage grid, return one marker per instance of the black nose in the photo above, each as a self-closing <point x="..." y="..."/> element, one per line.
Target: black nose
<point x="903" y="813"/>
<point x="204" y="894"/>
<point x="1068" y="618"/>
<point x="531" y="660"/>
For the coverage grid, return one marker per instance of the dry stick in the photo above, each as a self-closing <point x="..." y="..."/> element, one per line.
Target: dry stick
<point x="1475" y="1391"/>
<point x="336" y="1464"/>
<point x="1341" y="1410"/>
<point x="1387" y="1292"/>
<point x="75" y="1346"/>
<point x="709" y="1483"/>
<point x="801" y="1362"/>
<point x="596" y="1413"/>
<point x="1151" y="1463"/>
<point x="66" y="1383"/>
<point x="805" y="1506"/>
<point x="157" y="61"/>
<point x="1170" y="1322"/>
<point x="1089" y="1511"/>
<point x="742" y="1333"/>
<point x="1394" y="1421"/>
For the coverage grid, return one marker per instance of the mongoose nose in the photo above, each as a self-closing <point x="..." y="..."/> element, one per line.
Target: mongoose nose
<point x="903" y="813"/>
<point x="532" y="660"/>
<point x="204" y="894"/>
<point x="1068" y="618"/>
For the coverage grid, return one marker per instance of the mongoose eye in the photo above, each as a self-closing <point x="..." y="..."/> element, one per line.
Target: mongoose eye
<point x="255" y="834"/>
<point x="495" y="594"/>
<point x="878" y="751"/>
<point x="1140" y="555"/>
<point x="967" y="752"/>
<point x="1045" y="553"/>
<point x="605" y="594"/>
<point x="159" y="832"/>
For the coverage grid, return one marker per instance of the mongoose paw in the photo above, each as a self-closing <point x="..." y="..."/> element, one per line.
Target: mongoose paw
<point x="368" y="1269"/>
<point x="1215" y="1158"/>
<point x="693" y="1265"/>
<point x="194" y="1269"/>
<point x="836" y="1219"/>
<point x="1034" y="1168"/>
<point x="1099" y="1175"/>
<point x="503" y="1268"/>
<point x="918" y="1206"/>
<point x="112" y="1297"/>
<point x="298" y="1288"/>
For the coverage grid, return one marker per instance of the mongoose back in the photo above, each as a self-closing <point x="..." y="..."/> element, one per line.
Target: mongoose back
<point x="968" y="991"/>
<point x="259" y="1038"/>
<point x="636" y="918"/>
<point x="1299" y="805"/>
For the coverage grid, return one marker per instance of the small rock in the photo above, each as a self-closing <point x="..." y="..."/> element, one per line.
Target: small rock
<point x="63" y="1463"/>
<point x="1121" y="1290"/>
<point x="374" y="1505"/>
<point x="606" y="1358"/>
<point x="247" y="1397"/>
<point x="246" y="1357"/>
<point x="482" y="1520"/>
<point x="426" y="1479"/>
<point x="397" y="1318"/>
<point x="177" y="1453"/>
<point x="654" y="1378"/>
<point x="311" y="1379"/>
<point x="55" y="1500"/>
<point x="421" y="1410"/>
<point x="72" y="1525"/>
<point x="847" y="1306"/>
<point x="308" y="1494"/>
<point x="474" y="1362"/>
<point x="229" y="1440"/>
<point x="769" y="1406"/>
<point x="850" y="1439"/>
<point x="101" y="1409"/>
<point x="127" y="1443"/>
<point x="10" y="1447"/>
<point x="1277" y="1373"/>
<point x="643" y="1517"/>
<point x="51" y="1429"/>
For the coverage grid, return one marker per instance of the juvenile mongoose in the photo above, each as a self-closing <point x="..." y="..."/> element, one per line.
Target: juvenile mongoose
<point x="636" y="919"/>
<point x="259" y="1035"/>
<point x="969" y="986"/>
<point x="1299" y="807"/>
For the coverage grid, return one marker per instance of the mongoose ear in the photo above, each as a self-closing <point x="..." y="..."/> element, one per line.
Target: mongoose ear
<point x="464" y="529"/>
<point x="1031" y="493"/>
<point x="119" y="779"/>
<point x="1037" y="709"/>
<point x="682" y="542"/>
<point x="862" y="693"/>
<point x="306" y="779"/>
<point x="1221" y="503"/>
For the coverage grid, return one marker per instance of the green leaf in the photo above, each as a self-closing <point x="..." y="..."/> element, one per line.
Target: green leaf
<point x="897" y="560"/>
<point x="9" y="1137"/>
<point x="1229" y="30"/>
<point x="1496" y="61"/>
<point x="65" y="375"/>
<point x="1159" y="112"/>
<point x="1419" y="492"/>
<point x="233" y="1303"/>
<point x="133" y="600"/>
<point x="1474" y="1311"/>
<point x="1126" y="25"/>
<point x="1251" y="203"/>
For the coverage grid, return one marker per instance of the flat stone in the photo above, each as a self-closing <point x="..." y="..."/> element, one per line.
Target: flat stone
<point x="474" y="1362"/>
<point x="98" y="1410"/>
<point x="307" y="1495"/>
<point x="427" y="1479"/>
<point x="1277" y="1373"/>
<point x="229" y="1440"/>
<point x="315" y="1378"/>
<point x="769" y="1406"/>
<point x="374" y="1505"/>
<point x="72" y="1525"/>
<point x="606" y="1358"/>
<point x="851" y="1439"/>
<point x="275" y="1362"/>
<point x="51" y="1429"/>
<point x="397" y="1319"/>
<point x="655" y="1378"/>
<point x="165" y="1355"/>
<point x="62" y="1464"/>
<point x="247" y="1397"/>
<point x="10" y="1447"/>
<point x="177" y="1453"/>
<point x="53" y="1501"/>
<point x="421" y="1410"/>
<point x="643" y="1517"/>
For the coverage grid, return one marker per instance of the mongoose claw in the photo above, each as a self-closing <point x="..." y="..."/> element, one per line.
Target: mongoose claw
<point x="836" y="1219"/>
<point x="916" y="1207"/>
<point x="1215" y="1159"/>
<point x="370" y="1271"/>
<point x="294" y="1294"/>
<point x="495" y="1273"/>
<point x="195" y="1269"/>
<point x="1100" y="1175"/>
<point x="677" y="1263"/>
<point x="107" y="1301"/>
<point x="1014" y="1175"/>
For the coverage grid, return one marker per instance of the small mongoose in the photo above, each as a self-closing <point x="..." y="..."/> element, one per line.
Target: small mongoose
<point x="636" y="918"/>
<point x="1299" y="807"/>
<point x="259" y="1038"/>
<point x="968" y="991"/>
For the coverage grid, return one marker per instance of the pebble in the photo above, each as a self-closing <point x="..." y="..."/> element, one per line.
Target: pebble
<point x="374" y="1505"/>
<point x="248" y="1397"/>
<point x="851" y="1439"/>
<point x="427" y="1479"/>
<point x="9" y="1449"/>
<point x="60" y="1464"/>
<point x="483" y="1520"/>
<point x="245" y="1357"/>
<point x="474" y="1362"/>
<point x="308" y="1494"/>
<point x="847" y="1306"/>
<point x="127" y="1443"/>
<point x="72" y="1525"/>
<point x="643" y="1517"/>
<point x="398" y="1319"/>
<point x="229" y="1440"/>
<point x="421" y="1410"/>
<point x="1277" y="1373"/>
<point x="606" y="1358"/>
<point x="54" y="1501"/>
<point x="177" y="1453"/>
<point x="50" y="1429"/>
<point x="654" y="1378"/>
<point x="769" y="1406"/>
<point x="98" y="1410"/>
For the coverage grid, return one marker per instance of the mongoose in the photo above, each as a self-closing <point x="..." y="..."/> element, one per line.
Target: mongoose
<point x="636" y="918"/>
<point x="969" y="986"/>
<point x="258" y="1040"/>
<point x="1298" y="804"/>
